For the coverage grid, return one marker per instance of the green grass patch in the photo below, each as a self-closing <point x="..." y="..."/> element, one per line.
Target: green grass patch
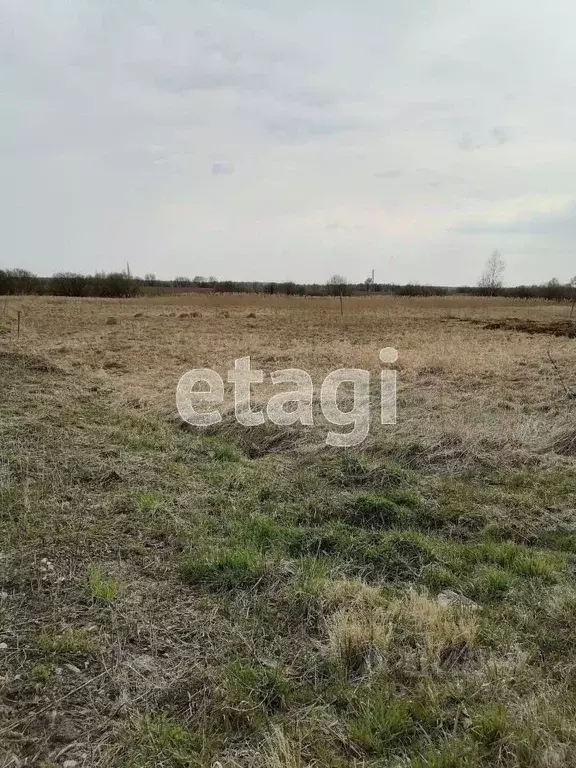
<point x="160" y="740"/>
<point x="148" y="501"/>
<point x="380" y="511"/>
<point x="493" y="583"/>
<point x="226" y="569"/>
<point x="41" y="673"/>
<point x="247" y="692"/>
<point x="69" y="641"/>
<point x="102" y="588"/>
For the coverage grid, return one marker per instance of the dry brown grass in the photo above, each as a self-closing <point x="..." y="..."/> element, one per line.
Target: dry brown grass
<point x="437" y="626"/>
<point x="281" y="752"/>
<point x="464" y="390"/>
<point x="358" y="639"/>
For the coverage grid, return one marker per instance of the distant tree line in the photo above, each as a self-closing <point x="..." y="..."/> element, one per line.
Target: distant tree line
<point x="105" y="285"/>
<point x="123" y="285"/>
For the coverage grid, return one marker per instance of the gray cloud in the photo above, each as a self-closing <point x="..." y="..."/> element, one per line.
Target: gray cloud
<point x="298" y="128"/>
<point x="121" y="120"/>
<point x="222" y="168"/>
<point x="560" y="223"/>
<point x="495" y="138"/>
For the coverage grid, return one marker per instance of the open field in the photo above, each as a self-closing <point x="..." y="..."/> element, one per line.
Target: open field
<point x="253" y="598"/>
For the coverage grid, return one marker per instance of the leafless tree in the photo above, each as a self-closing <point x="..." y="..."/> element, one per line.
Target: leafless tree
<point x="337" y="285"/>
<point x="491" y="278"/>
<point x="573" y="286"/>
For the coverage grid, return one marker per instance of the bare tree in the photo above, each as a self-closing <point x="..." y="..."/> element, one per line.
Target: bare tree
<point x="369" y="282"/>
<point x="337" y="285"/>
<point x="491" y="278"/>
<point x="573" y="286"/>
<point x="181" y="282"/>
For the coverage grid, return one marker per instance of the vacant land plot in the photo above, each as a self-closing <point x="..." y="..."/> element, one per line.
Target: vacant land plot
<point x="172" y="597"/>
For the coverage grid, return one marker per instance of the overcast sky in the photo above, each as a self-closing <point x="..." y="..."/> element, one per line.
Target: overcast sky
<point x="268" y="139"/>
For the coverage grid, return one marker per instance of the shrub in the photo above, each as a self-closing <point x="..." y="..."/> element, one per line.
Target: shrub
<point x="115" y="285"/>
<point x="18" y="281"/>
<point x="69" y="284"/>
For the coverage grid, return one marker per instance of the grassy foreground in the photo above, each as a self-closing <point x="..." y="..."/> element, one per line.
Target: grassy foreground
<point x="172" y="599"/>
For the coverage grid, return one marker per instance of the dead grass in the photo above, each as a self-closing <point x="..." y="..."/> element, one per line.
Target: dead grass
<point x="358" y="640"/>
<point x="438" y="626"/>
<point x="281" y="751"/>
<point x="464" y="391"/>
<point x="564" y="442"/>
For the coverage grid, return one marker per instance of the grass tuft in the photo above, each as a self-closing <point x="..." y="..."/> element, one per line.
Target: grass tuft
<point x="281" y="751"/>
<point x="102" y="588"/>
<point x="226" y="569"/>
<point x="358" y="640"/>
<point x="69" y="641"/>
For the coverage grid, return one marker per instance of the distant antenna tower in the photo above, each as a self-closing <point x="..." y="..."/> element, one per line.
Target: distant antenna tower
<point x="128" y="269"/>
